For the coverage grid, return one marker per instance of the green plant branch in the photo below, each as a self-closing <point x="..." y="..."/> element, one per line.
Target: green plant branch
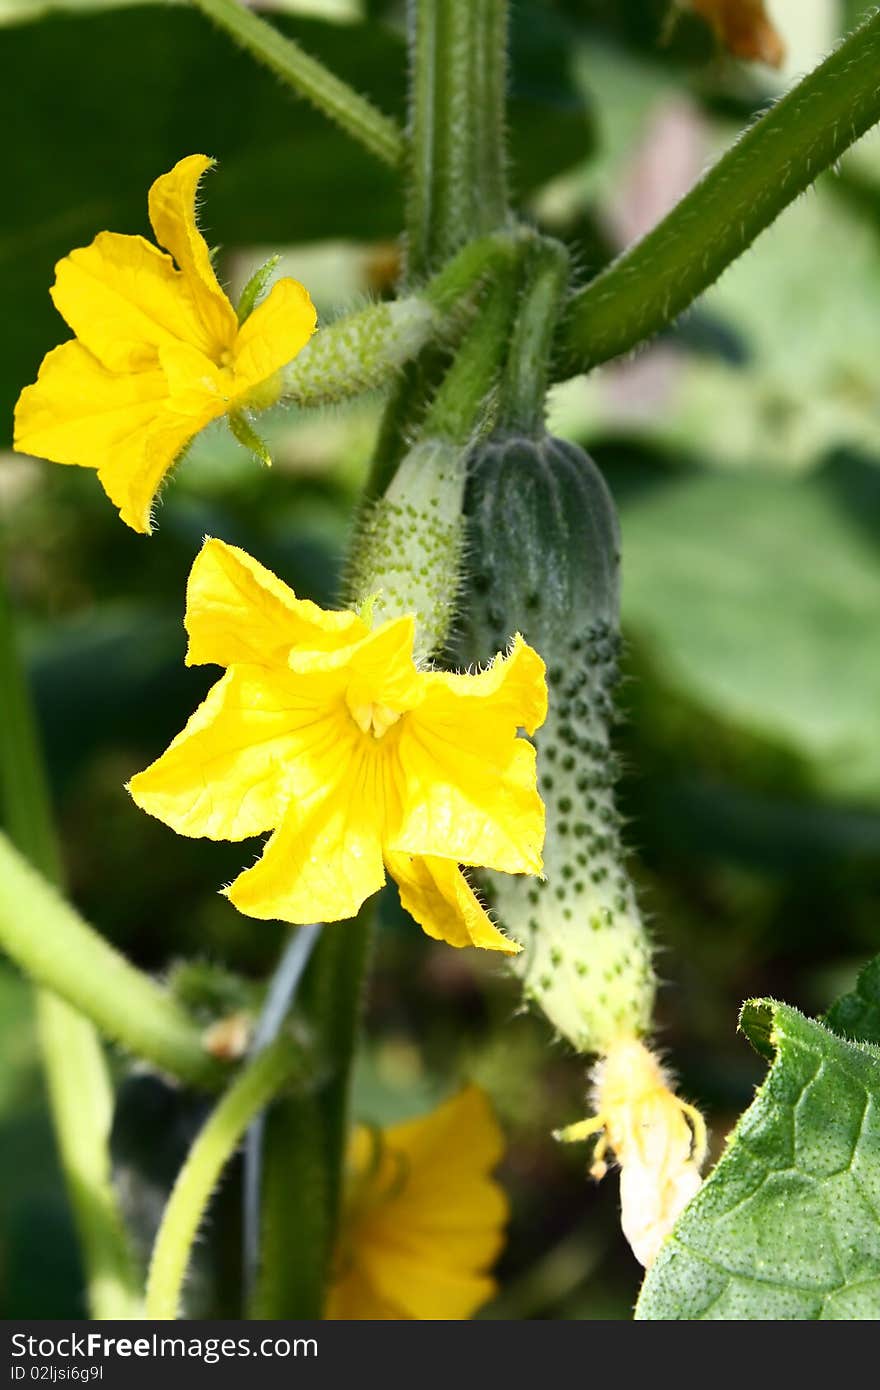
<point x="52" y="944"/>
<point x="77" y="1078"/>
<point x="214" y="1146"/>
<point x="527" y="372"/>
<point x="489" y="67"/>
<point x="456" y="188"/>
<point x="356" y="115"/>
<point x="306" y="1136"/>
<point x="646" y="288"/>
<point x="457" y="409"/>
<point x="81" y="1103"/>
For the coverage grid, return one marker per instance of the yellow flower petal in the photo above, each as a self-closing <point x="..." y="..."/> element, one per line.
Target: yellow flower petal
<point x="513" y="687"/>
<point x="421" y="1230"/>
<point x="237" y="611"/>
<point x="78" y="412"/>
<point x="436" y="893"/>
<point x="469" y="796"/>
<point x="123" y="298"/>
<point x="131" y="481"/>
<point x="226" y="776"/>
<point x="324" y="860"/>
<point x="375" y="670"/>
<point x="275" y="332"/>
<point x="172" y="204"/>
<point x="422" y="1291"/>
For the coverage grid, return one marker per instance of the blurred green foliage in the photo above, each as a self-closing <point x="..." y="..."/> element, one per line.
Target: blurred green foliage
<point x="744" y="451"/>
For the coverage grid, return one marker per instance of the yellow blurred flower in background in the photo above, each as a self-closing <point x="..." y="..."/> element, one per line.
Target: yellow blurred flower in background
<point x="423" y="1218"/>
<point x="158" y="353"/>
<point x="326" y="732"/>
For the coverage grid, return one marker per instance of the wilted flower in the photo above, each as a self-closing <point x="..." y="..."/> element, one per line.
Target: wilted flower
<point x="659" y="1142"/>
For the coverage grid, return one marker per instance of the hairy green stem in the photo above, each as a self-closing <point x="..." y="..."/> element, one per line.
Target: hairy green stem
<point x="489" y="66"/>
<point x="456" y="175"/>
<point x="306" y="1136"/>
<point x="647" y="287"/>
<point x="77" y="1077"/>
<point x="356" y="115"/>
<point x="214" y="1146"/>
<point x="280" y="998"/>
<point x="367" y="350"/>
<point x="452" y="285"/>
<point x="526" y="377"/>
<point x="52" y="944"/>
<point x="81" y="1102"/>
<point x="422" y="30"/>
<point x="457" y="409"/>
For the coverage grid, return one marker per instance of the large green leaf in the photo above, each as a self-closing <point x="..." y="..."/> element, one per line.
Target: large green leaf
<point x="756" y="600"/>
<point x="857" y="1015"/>
<point x="787" y="1227"/>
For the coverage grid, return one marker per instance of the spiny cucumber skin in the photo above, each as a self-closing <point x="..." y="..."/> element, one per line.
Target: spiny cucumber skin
<point x="586" y="959"/>
<point x="361" y="352"/>
<point x="544" y="548"/>
<point x="407" y="553"/>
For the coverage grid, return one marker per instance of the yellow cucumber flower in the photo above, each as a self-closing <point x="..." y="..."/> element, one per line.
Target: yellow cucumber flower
<point x="326" y="733"/>
<point x="658" y="1140"/>
<point x="158" y="352"/>
<point x="422" y="1218"/>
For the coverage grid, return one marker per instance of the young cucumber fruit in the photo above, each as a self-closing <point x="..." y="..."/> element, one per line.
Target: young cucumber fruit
<point x="544" y="556"/>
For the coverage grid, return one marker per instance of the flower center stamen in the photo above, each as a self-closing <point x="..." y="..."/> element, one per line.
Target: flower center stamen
<point x="373" y="718"/>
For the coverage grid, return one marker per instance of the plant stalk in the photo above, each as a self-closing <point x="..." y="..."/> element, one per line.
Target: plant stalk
<point x="255" y="1086"/>
<point x="646" y="288"/>
<point x="77" y="1077"/>
<point x="457" y="159"/>
<point x="357" y="116"/>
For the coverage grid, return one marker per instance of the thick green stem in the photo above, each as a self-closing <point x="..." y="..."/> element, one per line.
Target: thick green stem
<point x="306" y="1137"/>
<point x="367" y="350"/>
<point x="526" y="377"/>
<point x="646" y="289"/>
<point x="356" y="115"/>
<point x="489" y="65"/>
<point x="52" y="944"/>
<point x="456" y="185"/>
<point x="212" y="1150"/>
<point x="457" y="409"/>
<point x="453" y="285"/>
<point x="77" y="1078"/>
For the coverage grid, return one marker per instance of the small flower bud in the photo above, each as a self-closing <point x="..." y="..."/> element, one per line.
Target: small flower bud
<point x="361" y="352"/>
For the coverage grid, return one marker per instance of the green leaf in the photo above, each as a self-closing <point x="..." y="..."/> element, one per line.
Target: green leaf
<point x="256" y="288"/>
<point x="247" y="436"/>
<point x="753" y="599"/>
<point x="857" y="1015"/>
<point x="788" y="1225"/>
